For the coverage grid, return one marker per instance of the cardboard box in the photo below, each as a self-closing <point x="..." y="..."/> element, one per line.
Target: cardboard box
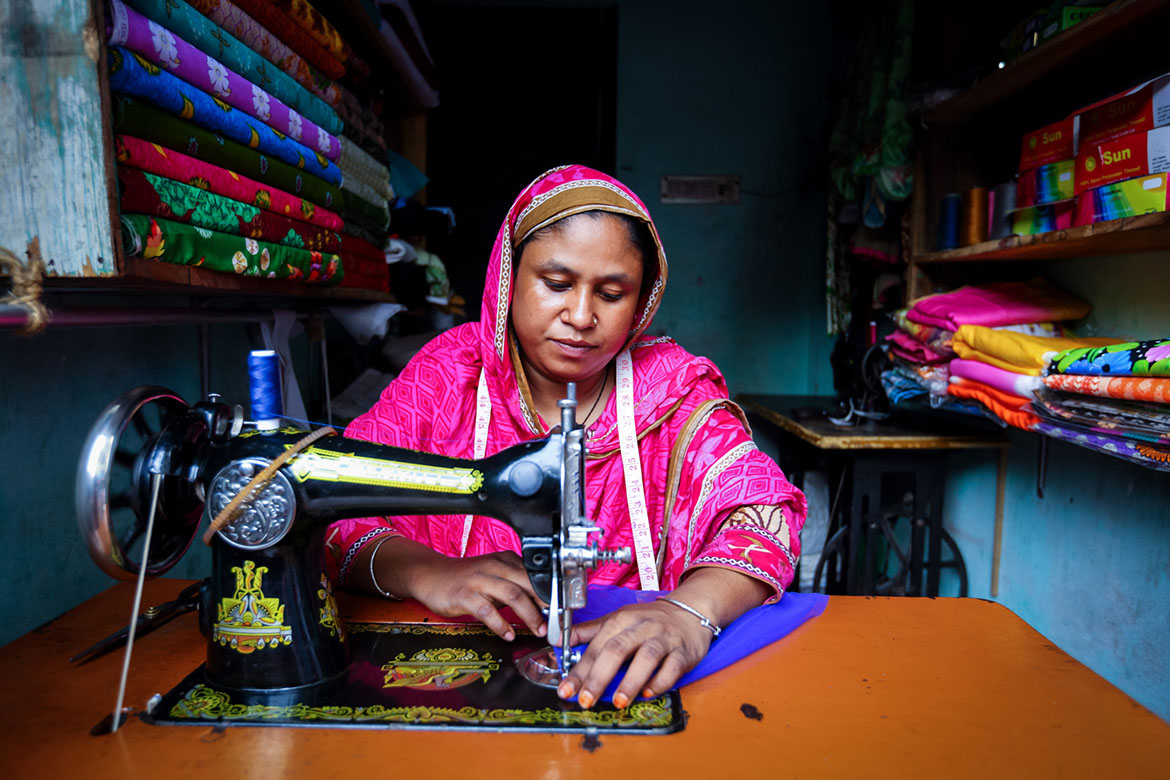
<point x="1129" y="198"/>
<point x="1043" y="219"/>
<point x="1129" y="157"/>
<point x="1049" y="144"/>
<point x="1046" y="184"/>
<point x="1067" y="17"/>
<point x="1138" y="110"/>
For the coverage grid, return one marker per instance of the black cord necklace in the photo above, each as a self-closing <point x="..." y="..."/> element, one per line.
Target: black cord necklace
<point x="596" y="401"/>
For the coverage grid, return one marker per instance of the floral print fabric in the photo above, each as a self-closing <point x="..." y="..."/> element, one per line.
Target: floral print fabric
<point x="1134" y="358"/>
<point x="162" y="47"/>
<point x="158" y="196"/>
<point x="1151" y="456"/>
<point x="215" y="41"/>
<point x="142" y="120"/>
<point x="283" y="28"/>
<point x="1150" y="389"/>
<point x="172" y="242"/>
<point x="262" y="41"/>
<point x="133" y="75"/>
<point x="317" y="26"/>
<point x="360" y="167"/>
<point x="159" y="160"/>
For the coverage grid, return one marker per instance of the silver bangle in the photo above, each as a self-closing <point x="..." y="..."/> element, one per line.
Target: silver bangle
<point x="703" y="621"/>
<point x="385" y="538"/>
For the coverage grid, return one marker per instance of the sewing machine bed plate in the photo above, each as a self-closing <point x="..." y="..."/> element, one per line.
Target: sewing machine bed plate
<point x="454" y="676"/>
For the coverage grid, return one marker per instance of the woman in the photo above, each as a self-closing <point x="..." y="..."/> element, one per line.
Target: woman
<point x="576" y="274"/>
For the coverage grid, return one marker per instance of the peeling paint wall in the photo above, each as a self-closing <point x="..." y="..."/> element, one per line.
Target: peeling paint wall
<point x="52" y="167"/>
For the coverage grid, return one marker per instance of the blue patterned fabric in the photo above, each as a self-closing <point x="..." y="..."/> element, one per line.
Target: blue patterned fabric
<point x="132" y="75"/>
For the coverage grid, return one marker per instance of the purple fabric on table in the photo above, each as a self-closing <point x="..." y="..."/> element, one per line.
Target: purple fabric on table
<point x="134" y="31"/>
<point x="755" y="629"/>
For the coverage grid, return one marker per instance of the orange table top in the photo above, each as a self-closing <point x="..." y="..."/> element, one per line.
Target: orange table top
<point x="923" y="687"/>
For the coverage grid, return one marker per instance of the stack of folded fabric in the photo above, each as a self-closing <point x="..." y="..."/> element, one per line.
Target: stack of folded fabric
<point x="228" y="150"/>
<point x="1114" y="399"/>
<point x="924" y="344"/>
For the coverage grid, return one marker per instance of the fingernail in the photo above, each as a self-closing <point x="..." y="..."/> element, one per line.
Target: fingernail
<point x="585" y="699"/>
<point x="647" y="694"/>
<point x="621" y="700"/>
<point x="565" y="690"/>
<point x="542" y="630"/>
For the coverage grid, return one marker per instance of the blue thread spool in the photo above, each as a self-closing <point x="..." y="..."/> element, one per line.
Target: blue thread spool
<point x="948" y="220"/>
<point x="264" y="387"/>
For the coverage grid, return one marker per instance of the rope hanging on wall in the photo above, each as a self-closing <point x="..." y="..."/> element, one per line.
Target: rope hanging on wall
<point x="26" y="285"/>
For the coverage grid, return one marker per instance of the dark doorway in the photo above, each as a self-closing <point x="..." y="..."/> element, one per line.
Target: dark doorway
<point x="523" y="89"/>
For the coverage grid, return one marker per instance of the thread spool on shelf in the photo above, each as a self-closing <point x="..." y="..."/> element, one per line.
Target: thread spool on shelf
<point x="948" y="221"/>
<point x="265" y="389"/>
<point x="973" y="224"/>
<point x="1002" y="204"/>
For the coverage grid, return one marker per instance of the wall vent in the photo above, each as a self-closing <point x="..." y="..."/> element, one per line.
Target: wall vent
<point x="700" y="189"/>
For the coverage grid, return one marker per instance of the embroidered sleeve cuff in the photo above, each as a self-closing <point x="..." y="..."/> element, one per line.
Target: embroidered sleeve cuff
<point x="754" y="551"/>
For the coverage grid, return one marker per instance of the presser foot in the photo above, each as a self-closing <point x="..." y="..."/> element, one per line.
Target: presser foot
<point x="542" y="667"/>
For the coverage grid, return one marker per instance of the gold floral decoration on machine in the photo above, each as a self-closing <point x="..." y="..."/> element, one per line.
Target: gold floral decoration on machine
<point x="248" y="620"/>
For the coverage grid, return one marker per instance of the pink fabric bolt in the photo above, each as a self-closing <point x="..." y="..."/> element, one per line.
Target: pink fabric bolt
<point x="162" y="47"/>
<point x="161" y="161"/>
<point x="1004" y="303"/>
<point x="910" y="348"/>
<point x="432" y="406"/>
<point x="1007" y="381"/>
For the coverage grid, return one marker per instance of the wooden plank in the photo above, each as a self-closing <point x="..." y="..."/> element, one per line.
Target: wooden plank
<point x="52" y="159"/>
<point x="1144" y="233"/>
<point x="868" y="435"/>
<point x="154" y="275"/>
<point x="1117" y="18"/>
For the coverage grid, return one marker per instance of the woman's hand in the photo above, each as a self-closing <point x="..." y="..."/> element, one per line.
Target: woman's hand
<point x="452" y="587"/>
<point x="661" y="641"/>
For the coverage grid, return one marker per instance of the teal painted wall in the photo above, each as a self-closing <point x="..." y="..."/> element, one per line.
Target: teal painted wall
<point x="52" y="388"/>
<point x="735" y="89"/>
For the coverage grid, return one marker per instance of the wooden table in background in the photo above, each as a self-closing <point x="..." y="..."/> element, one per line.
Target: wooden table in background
<point x="859" y="457"/>
<point x="873" y="687"/>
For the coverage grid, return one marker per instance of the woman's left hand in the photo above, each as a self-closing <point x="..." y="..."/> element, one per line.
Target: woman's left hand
<point x="661" y="642"/>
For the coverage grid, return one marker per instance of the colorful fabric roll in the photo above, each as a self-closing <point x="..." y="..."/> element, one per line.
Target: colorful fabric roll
<point x="365" y="204"/>
<point x="1151" y="456"/>
<point x="159" y="160"/>
<point x="317" y="26"/>
<point x="1006" y="381"/>
<point x="1004" y="303"/>
<point x="1149" y="389"/>
<point x="1012" y="409"/>
<point x="285" y="29"/>
<point x="1011" y="351"/>
<point x="362" y="248"/>
<point x="142" y="120"/>
<point x="158" y="196"/>
<point x="172" y="242"/>
<point x="1133" y="358"/>
<point x="358" y="165"/>
<point x="167" y="50"/>
<point x="262" y="41"/>
<point x="213" y="40"/>
<point x="131" y="74"/>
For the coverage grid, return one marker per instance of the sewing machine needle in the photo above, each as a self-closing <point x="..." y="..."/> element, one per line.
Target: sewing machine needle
<point x="155" y="482"/>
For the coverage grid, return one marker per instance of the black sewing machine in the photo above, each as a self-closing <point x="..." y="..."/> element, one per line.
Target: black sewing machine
<point x="272" y="623"/>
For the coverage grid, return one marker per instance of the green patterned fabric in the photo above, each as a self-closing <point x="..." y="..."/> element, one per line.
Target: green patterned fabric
<point x="174" y="242"/>
<point x="142" y="120"/>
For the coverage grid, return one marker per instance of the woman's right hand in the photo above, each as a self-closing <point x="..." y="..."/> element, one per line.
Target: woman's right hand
<point x="452" y="587"/>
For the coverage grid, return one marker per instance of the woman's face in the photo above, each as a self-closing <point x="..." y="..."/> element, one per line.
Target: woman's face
<point x="575" y="297"/>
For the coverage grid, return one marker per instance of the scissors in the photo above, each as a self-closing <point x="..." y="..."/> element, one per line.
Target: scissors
<point x="149" y="620"/>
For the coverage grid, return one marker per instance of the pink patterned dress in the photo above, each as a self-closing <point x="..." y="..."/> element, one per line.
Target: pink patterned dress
<point x="711" y="498"/>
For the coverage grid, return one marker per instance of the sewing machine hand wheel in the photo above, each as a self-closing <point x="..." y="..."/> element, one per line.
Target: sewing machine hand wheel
<point x="113" y="487"/>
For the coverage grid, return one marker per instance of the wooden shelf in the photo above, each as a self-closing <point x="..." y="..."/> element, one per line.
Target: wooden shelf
<point x="1116" y="19"/>
<point x="153" y="275"/>
<point x="1145" y="233"/>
